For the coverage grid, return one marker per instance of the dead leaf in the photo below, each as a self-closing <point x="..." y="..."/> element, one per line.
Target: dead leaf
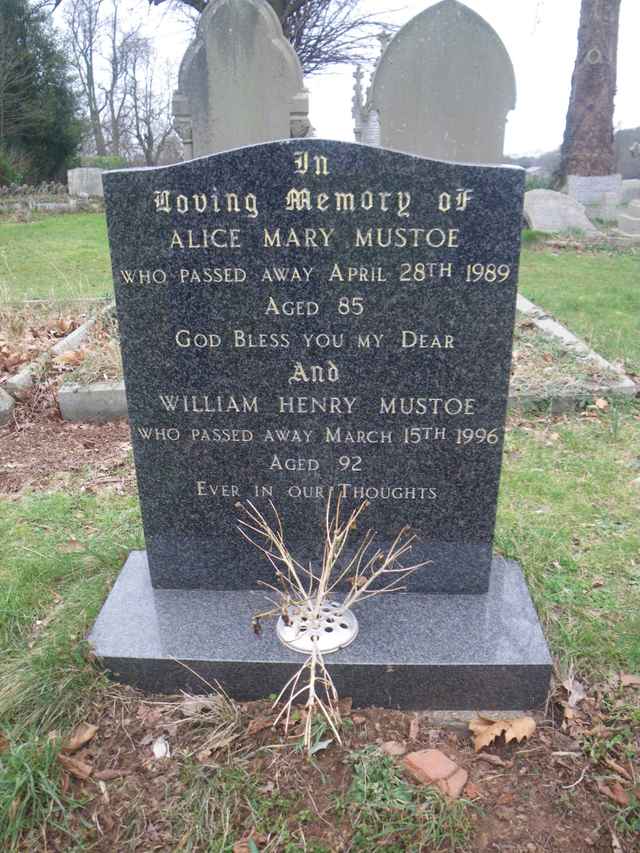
<point x="71" y="358"/>
<point x="160" y="747"/>
<point x="597" y="582"/>
<point x="618" y="768"/>
<point x="258" y="724"/>
<point x="77" y="768"/>
<point x="486" y="731"/>
<point x="601" y="404"/>
<point x="83" y="734"/>
<point x="629" y="680"/>
<point x="615" y="792"/>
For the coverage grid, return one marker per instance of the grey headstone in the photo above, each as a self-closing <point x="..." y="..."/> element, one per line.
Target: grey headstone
<point x="591" y="189"/>
<point x="443" y="87"/>
<point x="630" y="190"/>
<point x="546" y="210"/>
<point x="240" y="81"/>
<point x="85" y="182"/>
<point x="402" y="273"/>
<point x="629" y="221"/>
<point x="196" y="350"/>
<point x="627" y="164"/>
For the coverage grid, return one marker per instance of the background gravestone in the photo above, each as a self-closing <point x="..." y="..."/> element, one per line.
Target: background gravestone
<point x="304" y="316"/>
<point x="240" y="81"/>
<point x="626" y="164"/>
<point x="85" y="181"/>
<point x="442" y="88"/>
<point x="554" y="212"/>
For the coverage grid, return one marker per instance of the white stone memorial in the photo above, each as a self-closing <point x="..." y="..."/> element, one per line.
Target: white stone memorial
<point x="240" y="81"/>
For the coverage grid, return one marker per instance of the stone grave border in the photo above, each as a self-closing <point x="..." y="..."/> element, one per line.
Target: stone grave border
<point x="100" y="402"/>
<point x="560" y="402"/>
<point x="19" y="384"/>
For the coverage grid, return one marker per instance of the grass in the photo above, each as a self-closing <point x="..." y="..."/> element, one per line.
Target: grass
<point x="568" y="512"/>
<point x="383" y="809"/>
<point x="595" y="294"/>
<point x="55" y="257"/>
<point x="60" y="554"/>
<point x="31" y="792"/>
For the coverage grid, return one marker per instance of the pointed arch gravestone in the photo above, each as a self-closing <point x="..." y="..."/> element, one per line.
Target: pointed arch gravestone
<point x="443" y="88"/>
<point x="240" y="81"/>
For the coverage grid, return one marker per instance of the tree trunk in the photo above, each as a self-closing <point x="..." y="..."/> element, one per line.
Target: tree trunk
<point x="587" y="148"/>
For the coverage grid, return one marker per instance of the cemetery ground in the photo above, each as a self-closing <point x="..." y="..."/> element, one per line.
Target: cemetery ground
<point x="86" y="764"/>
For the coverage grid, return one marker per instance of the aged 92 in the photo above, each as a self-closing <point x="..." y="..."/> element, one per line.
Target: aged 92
<point x="488" y="272"/>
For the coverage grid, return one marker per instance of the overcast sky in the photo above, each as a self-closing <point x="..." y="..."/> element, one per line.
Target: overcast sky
<point x="540" y="36"/>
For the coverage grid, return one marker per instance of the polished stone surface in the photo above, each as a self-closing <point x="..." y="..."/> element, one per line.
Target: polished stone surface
<point x="413" y="651"/>
<point x="179" y="395"/>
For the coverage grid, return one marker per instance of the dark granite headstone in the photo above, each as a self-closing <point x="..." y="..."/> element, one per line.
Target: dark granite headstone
<point x="307" y="315"/>
<point x="304" y="315"/>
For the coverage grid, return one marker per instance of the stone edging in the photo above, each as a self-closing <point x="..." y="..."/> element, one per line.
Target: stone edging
<point x="565" y="402"/>
<point x="19" y="385"/>
<point x="99" y="402"/>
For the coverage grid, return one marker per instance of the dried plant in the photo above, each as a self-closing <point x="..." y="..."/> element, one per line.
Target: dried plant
<point x="367" y="571"/>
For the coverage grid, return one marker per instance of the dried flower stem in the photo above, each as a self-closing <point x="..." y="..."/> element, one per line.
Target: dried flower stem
<point x="369" y="571"/>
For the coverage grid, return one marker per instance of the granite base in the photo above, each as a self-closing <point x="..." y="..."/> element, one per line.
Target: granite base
<point x="413" y="651"/>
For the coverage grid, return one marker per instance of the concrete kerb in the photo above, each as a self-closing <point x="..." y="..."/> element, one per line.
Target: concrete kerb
<point x="560" y="402"/>
<point x="7" y="405"/>
<point x="19" y="385"/>
<point x="98" y="402"/>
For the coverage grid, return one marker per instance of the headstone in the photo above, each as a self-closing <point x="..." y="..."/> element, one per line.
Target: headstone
<point x="630" y="190"/>
<point x="591" y="189"/>
<point x="301" y="317"/>
<point x="629" y="221"/>
<point x="555" y="213"/>
<point x="443" y="88"/>
<point x="85" y="182"/>
<point x="627" y="164"/>
<point x="240" y="81"/>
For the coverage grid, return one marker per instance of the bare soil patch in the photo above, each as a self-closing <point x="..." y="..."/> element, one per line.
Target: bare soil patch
<point x="43" y="452"/>
<point x="542" y="795"/>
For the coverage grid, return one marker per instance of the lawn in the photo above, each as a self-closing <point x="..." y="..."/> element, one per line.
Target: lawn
<point x="596" y="294"/>
<point x="55" y="257"/>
